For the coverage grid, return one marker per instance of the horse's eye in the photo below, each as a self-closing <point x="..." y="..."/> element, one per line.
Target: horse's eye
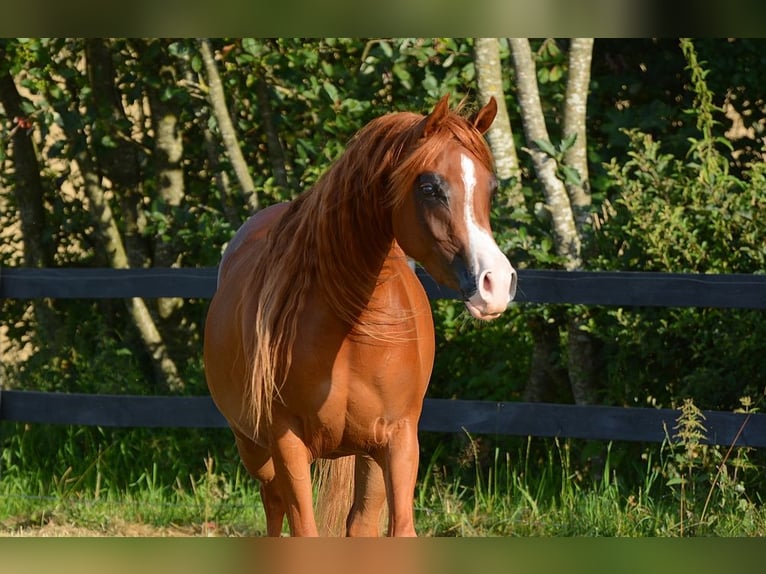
<point x="431" y="187"/>
<point x="430" y="190"/>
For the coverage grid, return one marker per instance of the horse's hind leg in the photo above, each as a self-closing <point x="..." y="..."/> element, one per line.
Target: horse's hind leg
<point x="369" y="498"/>
<point x="259" y="464"/>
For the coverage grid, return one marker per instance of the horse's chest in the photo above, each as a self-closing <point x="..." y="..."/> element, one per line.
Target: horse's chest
<point x="347" y="403"/>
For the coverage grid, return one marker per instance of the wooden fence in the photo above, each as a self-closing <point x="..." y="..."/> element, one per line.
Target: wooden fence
<point x="626" y="289"/>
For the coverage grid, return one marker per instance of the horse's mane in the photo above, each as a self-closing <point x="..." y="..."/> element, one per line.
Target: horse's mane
<point x="334" y="237"/>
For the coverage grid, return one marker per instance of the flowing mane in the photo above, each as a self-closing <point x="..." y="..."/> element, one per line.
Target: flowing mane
<point x="308" y="248"/>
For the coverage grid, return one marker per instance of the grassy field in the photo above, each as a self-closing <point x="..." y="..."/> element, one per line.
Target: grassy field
<point x="77" y="481"/>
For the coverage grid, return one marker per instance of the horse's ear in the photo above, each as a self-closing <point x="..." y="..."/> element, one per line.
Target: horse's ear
<point x="437" y="115"/>
<point x="482" y="119"/>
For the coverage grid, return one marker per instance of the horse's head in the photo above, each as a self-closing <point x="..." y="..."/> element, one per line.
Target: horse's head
<point x="442" y="218"/>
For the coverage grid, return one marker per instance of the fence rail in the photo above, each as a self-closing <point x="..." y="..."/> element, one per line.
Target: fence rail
<point x="439" y="415"/>
<point x="615" y="288"/>
<point x="627" y="289"/>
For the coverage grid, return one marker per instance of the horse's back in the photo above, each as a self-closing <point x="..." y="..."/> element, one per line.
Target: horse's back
<point x="249" y="233"/>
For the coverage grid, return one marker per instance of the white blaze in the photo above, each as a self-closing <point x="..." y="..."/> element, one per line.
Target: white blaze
<point x="480" y="242"/>
<point x="495" y="278"/>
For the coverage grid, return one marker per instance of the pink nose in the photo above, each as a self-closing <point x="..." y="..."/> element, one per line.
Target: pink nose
<point x="496" y="288"/>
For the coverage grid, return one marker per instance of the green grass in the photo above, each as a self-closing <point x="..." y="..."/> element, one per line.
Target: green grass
<point x="550" y="496"/>
<point x="91" y="478"/>
<point x="200" y="505"/>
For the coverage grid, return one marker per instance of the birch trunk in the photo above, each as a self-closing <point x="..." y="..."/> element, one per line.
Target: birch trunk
<point x="582" y="371"/>
<point x="500" y="134"/>
<point x="568" y="205"/>
<point x="557" y="201"/>
<point x="217" y="99"/>
<point x="575" y="119"/>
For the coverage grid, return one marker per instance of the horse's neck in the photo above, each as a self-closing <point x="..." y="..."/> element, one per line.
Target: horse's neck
<point x="347" y="244"/>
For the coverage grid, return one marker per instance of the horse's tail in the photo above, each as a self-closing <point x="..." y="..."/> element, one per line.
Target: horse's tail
<point x="334" y="487"/>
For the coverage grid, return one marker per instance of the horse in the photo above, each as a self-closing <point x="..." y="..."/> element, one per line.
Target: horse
<point x="319" y="340"/>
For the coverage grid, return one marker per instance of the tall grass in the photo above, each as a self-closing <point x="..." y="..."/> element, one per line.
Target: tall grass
<point x="515" y="498"/>
<point x="103" y="479"/>
<point x="97" y="478"/>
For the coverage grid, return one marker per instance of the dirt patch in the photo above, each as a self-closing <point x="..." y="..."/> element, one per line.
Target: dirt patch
<point x="115" y="528"/>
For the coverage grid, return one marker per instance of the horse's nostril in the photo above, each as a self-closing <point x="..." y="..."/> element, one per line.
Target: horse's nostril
<point x="487" y="282"/>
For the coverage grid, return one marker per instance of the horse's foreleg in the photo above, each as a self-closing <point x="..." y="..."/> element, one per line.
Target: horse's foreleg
<point x="369" y="498"/>
<point x="259" y="464"/>
<point x="292" y="468"/>
<point x="402" y="472"/>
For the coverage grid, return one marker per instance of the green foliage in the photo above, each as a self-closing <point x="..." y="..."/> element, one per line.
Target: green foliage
<point x="567" y="174"/>
<point x="479" y="361"/>
<point x="682" y="214"/>
<point x="658" y="355"/>
<point x="551" y="62"/>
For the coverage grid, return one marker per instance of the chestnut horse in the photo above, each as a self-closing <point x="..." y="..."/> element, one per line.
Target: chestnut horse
<point x="319" y="341"/>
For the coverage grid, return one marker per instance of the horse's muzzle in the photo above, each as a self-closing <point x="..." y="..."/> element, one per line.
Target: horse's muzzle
<point x="495" y="289"/>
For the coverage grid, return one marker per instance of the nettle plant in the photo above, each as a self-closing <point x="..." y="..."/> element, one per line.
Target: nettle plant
<point x="707" y="481"/>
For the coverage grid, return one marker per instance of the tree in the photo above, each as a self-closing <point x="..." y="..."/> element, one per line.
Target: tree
<point x="563" y="175"/>
<point x="117" y="157"/>
<point x="228" y="133"/>
<point x="500" y="135"/>
<point x="28" y="186"/>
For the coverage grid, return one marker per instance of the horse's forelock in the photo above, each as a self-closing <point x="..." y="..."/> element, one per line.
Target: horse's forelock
<point x="453" y="128"/>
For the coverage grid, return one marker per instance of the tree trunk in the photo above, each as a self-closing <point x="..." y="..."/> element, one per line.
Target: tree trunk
<point x="580" y="359"/>
<point x="165" y="370"/>
<point x="168" y="151"/>
<point x="217" y="100"/>
<point x="582" y="371"/>
<point x="500" y="134"/>
<point x="117" y="154"/>
<point x="575" y="117"/>
<point x="28" y="188"/>
<point x="164" y="367"/>
<point x="273" y="143"/>
<point x="568" y="205"/>
<point x="28" y="191"/>
<point x="547" y="378"/>
<point x="229" y="202"/>
<point x="169" y="177"/>
<point x="565" y="234"/>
